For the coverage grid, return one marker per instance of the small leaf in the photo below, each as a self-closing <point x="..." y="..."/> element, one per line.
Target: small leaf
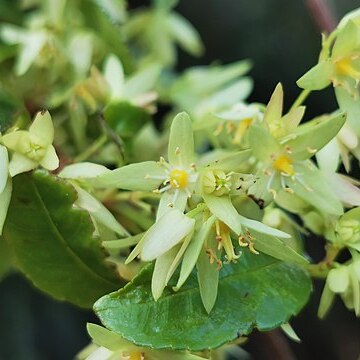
<point x="53" y="243"/>
<point x="257" y="292"/>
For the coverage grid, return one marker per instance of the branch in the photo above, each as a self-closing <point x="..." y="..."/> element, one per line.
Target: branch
<point x="322" y="15"/>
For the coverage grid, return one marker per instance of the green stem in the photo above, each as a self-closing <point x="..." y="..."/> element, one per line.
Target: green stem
<point x="321" y="269"/>
<point x="300" y="99"/>
<point x="91" y="150"/>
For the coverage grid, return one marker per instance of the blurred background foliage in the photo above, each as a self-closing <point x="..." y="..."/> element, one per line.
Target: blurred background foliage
<point x="281" y="39"/>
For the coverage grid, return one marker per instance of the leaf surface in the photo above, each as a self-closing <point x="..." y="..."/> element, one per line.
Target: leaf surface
<point x="53" y="242"/>
<point x="258" y="291"/>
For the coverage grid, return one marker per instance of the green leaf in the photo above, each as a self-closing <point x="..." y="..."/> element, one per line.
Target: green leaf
<point x="125" y="119"/>
<point x="53" y="243"/>
<point x="314" y="135"/>
<point x="257" y="292"/>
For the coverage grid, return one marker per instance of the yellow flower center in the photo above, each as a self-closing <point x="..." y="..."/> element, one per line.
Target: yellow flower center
<point x="284" y="164"/>
<point x="179" y="179"/>
<point x="345" y="67"/>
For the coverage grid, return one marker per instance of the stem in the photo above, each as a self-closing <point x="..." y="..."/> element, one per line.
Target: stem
<point x="321" y="269"/>
<point x="321" y="14"/>
<point x="91" y="150"/>
<point x="300" y="99"/>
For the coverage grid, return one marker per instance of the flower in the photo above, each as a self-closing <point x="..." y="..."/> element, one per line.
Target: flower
<point x="339" y="62"/>
<point x="284" y="160"/>
<point x="347" y="229"/>
<point x="174" y="179"/>
<point x="34" y="147"/>
<point x="345" y="281"/>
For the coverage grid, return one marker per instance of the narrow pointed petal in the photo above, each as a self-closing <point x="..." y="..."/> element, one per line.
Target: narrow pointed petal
<point x="232" y="162"/>
<point x="5" y="197"/>
<point x="167" y="202"/>
<point x="290" y="332"/>
<point x="276" y="248"/>
<point x="99" y="211"/>
<point x="144" y="176"/>
<point x="114" y="75"/>
<point x="43" y="127"/>
<point x="326" y="300"/>
<point x="193" y="251"/>
<point x="20" y="164"/>
<point x="181" y="141"/>
<point x="355" y="285"/>
<point x="161" y="269"/>
<point x="224" y="210"/>
<point x="208" y="278"/>
<point x="317" y="190"/>
<point x="274" y="108"/>
<point x="314" y="135"/>
<point x="318" y="77"/>
<point x="178" y="256"/>
<point x="83" y="170"/>
<point x="262" y="228"/>
<point x="167" y="232"/>
<point x="292" y="119"/>
<point x="328" y="157"/>
<point x="262" y="143"/>
<point x="4" y="167"/>
<point x="50" y="160"/>
<point x="14" y="139"/>
<point x="338" y="279"/>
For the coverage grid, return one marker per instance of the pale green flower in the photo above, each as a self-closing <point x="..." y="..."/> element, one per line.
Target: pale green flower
<point x="347" y="229"/>
<point x="174" y="179"/>
<point x="283" y="163"/>
<point x="339" y="62"/>
<point x="33" y="147"/>
<point x="345" y="281"/>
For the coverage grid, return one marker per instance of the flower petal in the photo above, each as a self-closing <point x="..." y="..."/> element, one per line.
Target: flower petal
<point x="318" y="77"/>
<point x="161" y="269"/>
<point x="50" y="160"/>
<point x="338" y="279"/>
<point x="169" y="200"/>
<point x="181" y="141"/>
<point x="4" y="167"/>
<point x="144" y="176"/>
<point x="262" y="228"/>
<point x="262" y="143"/>
<point x="84" y="170"/>
<point x="326" y="300"/>
<point x="167" y="232"/>
<point x="43" y="126"/>
<point x="348" y="193"/>
<point x="208" y="278"/>
<point x="114" y="75"/>
<point x="193" y="251"/>
<point x="224" y="210"/>
<point x="20" y="164"/>
<point x="274" y="108"/>
<point x="98" y="211"/>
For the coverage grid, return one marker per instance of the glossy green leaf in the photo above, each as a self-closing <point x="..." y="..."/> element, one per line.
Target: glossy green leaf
<point x="257" y="292"/>
<point x="53" y="243"/>
<point x="126" y="119"/>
